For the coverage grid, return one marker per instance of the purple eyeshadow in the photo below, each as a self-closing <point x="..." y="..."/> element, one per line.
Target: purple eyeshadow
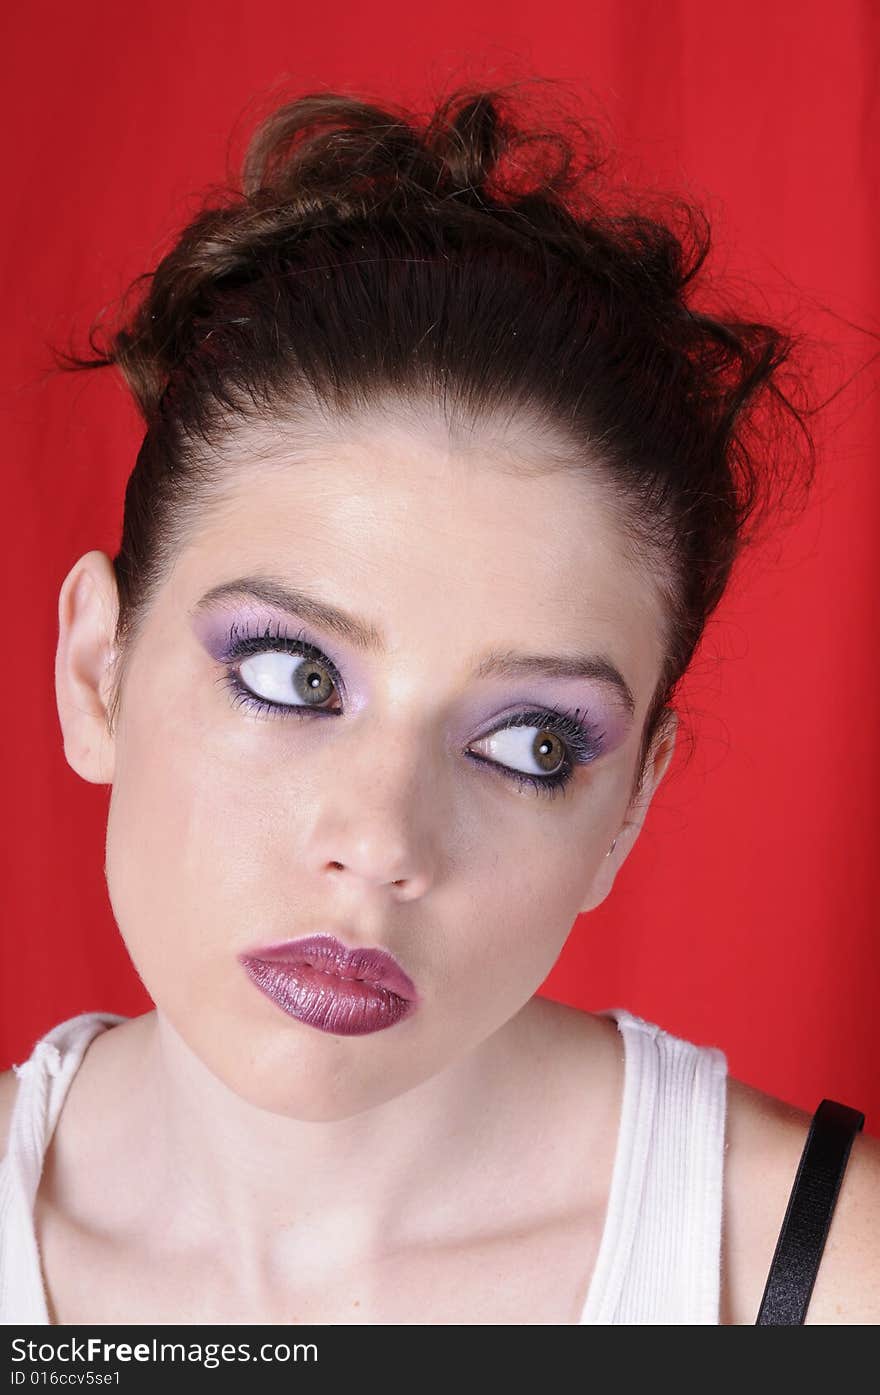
<point x="605" y="722"/>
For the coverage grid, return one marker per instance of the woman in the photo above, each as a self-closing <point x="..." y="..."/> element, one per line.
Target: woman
<point x="442" y="478"/>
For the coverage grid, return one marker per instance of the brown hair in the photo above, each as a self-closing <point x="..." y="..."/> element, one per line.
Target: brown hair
<point x="474" y="260"/>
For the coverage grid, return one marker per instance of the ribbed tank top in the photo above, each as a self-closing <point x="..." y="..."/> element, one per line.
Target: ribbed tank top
<point x="660" y="1251"/>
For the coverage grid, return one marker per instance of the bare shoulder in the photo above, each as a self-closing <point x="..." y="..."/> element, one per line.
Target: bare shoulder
<point x="8" y="1088"/>
<point x="764" y="1141"/>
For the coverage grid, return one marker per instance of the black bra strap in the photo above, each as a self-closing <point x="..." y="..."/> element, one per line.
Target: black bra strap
<point x="808" y="1217"/>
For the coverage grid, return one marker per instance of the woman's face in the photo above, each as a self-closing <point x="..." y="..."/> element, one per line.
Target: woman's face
<point x="379" y="801"/>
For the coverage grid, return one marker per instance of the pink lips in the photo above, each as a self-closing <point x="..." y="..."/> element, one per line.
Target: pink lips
<point x="322" y="982"/>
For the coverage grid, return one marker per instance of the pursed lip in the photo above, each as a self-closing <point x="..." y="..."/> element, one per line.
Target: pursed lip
<point x="330" y="956"/>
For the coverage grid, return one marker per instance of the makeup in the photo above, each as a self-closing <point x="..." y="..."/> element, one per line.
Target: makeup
<point x="236" y="598"/>
<point x="323" y="983"/>
<point x="288" y="667"/>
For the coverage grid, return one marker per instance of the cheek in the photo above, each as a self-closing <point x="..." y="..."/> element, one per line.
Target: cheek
<point x="513" y="910"/>
<point x="182" y="849"/>
<point x="535" y="901"/>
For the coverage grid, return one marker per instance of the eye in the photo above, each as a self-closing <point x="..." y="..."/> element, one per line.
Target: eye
<point x="541" y="749"/>
<point x="276" y="675"/>
<point x="288" y="680"/>
<point x="535" y="751"/>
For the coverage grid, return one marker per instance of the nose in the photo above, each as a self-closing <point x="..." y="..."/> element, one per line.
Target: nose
<point x="409" y="888"/>
<point x="378" y="821"/>
<point x="363" y="866"/>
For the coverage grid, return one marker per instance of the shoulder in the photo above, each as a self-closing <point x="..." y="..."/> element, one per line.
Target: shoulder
<point x="8" y="1088"/>
<point x="764" y="1141"/>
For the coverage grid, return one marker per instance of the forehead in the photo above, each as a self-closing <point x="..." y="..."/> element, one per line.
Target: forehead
<point x="470" y="543"/>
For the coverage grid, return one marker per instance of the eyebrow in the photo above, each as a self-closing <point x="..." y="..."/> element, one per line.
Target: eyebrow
<point x="365" y="636"/>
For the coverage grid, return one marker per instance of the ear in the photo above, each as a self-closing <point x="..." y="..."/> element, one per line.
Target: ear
<point x="657" y="765"/>
<point x="88" y="605"/>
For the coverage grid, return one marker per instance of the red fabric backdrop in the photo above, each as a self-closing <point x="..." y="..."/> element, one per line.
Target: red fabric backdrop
<point x="746" y="916"/>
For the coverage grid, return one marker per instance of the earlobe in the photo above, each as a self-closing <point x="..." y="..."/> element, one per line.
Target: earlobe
<point x="87" y="611"/>
<point x="603" y="877"/>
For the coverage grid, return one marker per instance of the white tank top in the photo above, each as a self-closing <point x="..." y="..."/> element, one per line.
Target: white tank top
<point x="660" y="1251"/>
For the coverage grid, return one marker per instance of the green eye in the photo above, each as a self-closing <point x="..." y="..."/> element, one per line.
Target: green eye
<point x="288" y="680"/>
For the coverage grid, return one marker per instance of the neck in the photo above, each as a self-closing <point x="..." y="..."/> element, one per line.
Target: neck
<point x="201" y="1172"/>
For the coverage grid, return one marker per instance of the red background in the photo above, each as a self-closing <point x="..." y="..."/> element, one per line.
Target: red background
<point x="746" y="916"/>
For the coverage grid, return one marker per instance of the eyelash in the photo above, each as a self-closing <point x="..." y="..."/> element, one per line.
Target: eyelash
<point x="583" y="740"/>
